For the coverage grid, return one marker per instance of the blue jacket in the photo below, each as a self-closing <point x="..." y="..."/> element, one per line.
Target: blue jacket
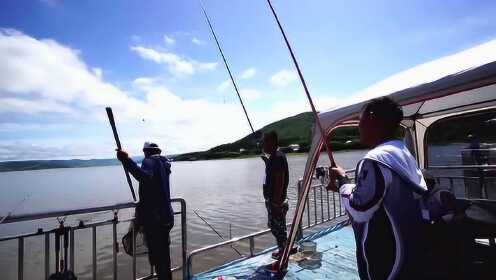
<point x="154" y="206"/>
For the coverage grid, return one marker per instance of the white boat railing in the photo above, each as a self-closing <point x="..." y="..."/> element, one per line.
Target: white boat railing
<point x="71" y="230"/>
<point x="480" y="179"/>
<point x="321" y="207"/>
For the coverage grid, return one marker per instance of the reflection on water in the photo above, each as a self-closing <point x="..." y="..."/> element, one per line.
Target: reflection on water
<point x="227" y="193"/>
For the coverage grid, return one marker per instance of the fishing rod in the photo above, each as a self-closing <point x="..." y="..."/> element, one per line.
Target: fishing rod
<point x="302" y="79"/>
<point x="221" y="237"/>
<point x="282" y="262"/>
<point x="225" y="63"/>
<point x="119" y="147"/>
<point x="15" y="208"/>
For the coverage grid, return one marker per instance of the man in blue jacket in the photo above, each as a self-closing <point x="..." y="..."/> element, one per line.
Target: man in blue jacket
<point x="384" y="204"/>
<point x="154" y="211"/>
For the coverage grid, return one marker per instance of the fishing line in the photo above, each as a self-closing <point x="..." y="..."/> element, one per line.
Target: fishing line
<point x="15" y="208"/>
<point x="226" y="64"/>
<point x="221" y="237"/>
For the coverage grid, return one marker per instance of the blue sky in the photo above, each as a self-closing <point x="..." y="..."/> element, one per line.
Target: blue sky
<point x="155" y="63"/>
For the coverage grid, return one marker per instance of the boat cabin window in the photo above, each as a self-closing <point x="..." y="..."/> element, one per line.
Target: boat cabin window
<point x="461" y="154"/>
<point x="346" y="146"/>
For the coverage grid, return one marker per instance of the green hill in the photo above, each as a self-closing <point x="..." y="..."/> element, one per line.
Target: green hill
<point x="293" y="130"/>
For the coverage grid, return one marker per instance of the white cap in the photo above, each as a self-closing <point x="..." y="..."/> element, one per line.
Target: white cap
<point x="150" y="145"/>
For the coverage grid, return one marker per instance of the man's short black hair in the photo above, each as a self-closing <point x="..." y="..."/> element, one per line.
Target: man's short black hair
<point x="385" y="109"/>
<point x="272" y="135"/>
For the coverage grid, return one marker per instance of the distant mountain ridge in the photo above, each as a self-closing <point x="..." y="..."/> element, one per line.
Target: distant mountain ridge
<point x="7" y="166"/>
<point x="292" y="130"/>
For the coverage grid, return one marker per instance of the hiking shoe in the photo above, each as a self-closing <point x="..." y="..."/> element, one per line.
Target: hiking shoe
<point x="276" y="254"/>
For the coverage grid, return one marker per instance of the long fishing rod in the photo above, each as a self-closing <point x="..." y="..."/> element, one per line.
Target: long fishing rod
<point x="297" y="66"/>
<point x="15" y="208"/>
<point x="221" y="237"/>
<point x="225" y="63"/>
<point x="119" y="147"/>
<point x="282" y="262"/>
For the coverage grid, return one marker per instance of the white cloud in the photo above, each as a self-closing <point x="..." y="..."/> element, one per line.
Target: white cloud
<point x="431" y="71"/>
<point x="97" y="71"/>
<point x="286" y="108"/>
<point x="224" y="85"/>
<point x="45" y="79"/>
<point x="197" y="41"/>
<point x="250" y="94"/>
<point x="420" y="74"/>
<point x="16" y="127"/>
<point x="248" y="73"/>
<point x="51" y="75"/>
<point x="169" y="40"/>
<point x="175" y="63"/>
<point x="32" y="107"/>
<point x="49" y="82"/>
<point x="283" y="78"/>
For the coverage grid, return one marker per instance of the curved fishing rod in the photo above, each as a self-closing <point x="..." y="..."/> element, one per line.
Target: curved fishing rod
<point x="283" y="261"/>
<point x="218" y="234"/>
<point x="225" y="63"/>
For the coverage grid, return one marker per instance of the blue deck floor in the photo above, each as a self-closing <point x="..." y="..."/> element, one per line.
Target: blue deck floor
<point x="335" y="259"/>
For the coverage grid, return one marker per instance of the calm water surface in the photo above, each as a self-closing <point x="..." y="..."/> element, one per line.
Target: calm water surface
<point x="227" y="193"/>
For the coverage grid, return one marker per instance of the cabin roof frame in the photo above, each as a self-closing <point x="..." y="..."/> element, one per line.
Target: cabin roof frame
<point x="470" y="90"/>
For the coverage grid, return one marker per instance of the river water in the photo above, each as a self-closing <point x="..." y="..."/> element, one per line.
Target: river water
<point x="227" y="193"/>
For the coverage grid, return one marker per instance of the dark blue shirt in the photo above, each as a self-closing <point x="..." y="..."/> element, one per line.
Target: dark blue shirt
<point x="275" y="164"/>
<point x="154" y="205"/>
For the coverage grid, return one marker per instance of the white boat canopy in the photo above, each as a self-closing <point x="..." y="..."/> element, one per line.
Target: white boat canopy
<point x="469" y="90"/>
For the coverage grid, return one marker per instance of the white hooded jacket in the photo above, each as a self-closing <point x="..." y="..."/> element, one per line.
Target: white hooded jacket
<point x="384" y="206"/>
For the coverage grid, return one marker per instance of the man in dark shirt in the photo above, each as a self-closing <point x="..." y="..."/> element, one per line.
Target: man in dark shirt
<point x="154" y="211"/>
<point x="275" y="189"/>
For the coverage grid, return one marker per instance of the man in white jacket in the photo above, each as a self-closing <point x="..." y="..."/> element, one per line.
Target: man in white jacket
<point x="384" y="204"/>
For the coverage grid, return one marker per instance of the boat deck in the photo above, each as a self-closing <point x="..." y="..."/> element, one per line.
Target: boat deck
<point x="334" y="259"/>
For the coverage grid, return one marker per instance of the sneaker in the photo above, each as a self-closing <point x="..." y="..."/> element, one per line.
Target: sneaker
<point x="276" y="254"/>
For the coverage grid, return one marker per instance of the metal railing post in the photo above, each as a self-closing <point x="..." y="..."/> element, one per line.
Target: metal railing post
<point x="308" y="210"/>
<point x="334" y="203"/>
<point x="20" y="260"/>
<point x="315" y="204"/>
<point x="134" y="252"/>
<point x="47" y="255"/>
<point x="114" y="247"/>
<point x="321" y="205"/>
<point x="299" y="234"/>
<point x="184" y="236"/>
<point x="71" y="246"/>
<point x="93" y="243"/>
<point x="482" y="183"/>
<point x="252" y="246"/>
<point x="328" y="206"/>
